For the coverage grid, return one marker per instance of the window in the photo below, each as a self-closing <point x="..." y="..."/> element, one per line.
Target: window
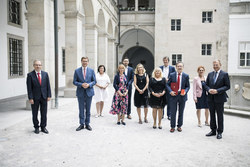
<point x="175" y="24"/>
<point x="14" y="12"/>
<point x="63" y="61"/>
<point x="15" y="56"/>
<point x="127" y="5"/>
<point x="176" y="58"/>
<point x="206" y="49"/>
<point x="245" y="54"/>
<point x="207" y="17"/>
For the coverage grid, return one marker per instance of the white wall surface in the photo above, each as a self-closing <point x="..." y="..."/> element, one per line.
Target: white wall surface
<point x="12" y="87"/>
<point x="239" y="31"/>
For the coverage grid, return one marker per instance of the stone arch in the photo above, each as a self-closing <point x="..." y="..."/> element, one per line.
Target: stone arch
<point x="140" y="28"/>
<point x="101" y="20"/>
<point x="110" y="29"/>
<point x="102" y="46"/>
<point x="135" y="43"/>
<point x="89" y="11"/>
<point x="140" y="54"/>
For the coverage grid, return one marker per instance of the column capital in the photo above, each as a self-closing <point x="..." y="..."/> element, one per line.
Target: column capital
<point x="91" y="26"/>
<point x="73" y="14"/>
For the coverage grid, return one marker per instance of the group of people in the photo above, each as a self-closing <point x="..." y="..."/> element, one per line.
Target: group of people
<point x="166" y="87"/>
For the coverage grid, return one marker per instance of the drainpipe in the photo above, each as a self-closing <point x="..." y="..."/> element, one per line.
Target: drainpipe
<point x="119" y="28"/>
<point x="56" y="52"/>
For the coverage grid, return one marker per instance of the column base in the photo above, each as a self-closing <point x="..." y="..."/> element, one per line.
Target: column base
<point x="70" y="92"/>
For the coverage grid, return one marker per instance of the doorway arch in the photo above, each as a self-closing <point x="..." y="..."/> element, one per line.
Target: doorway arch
<point x="139" y="54"/>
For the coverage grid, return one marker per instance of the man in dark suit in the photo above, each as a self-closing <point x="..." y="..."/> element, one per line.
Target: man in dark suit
<point x="178" y="95"/>
<point x="38" y="87"/>
<point x="129" y="73"/>
<point x="217" y="84"/>
<point x="167" y="70"/>
<point x="84" y="79"/>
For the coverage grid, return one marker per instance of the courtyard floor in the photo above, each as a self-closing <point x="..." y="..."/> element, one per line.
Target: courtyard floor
<point x="111" y="145"/>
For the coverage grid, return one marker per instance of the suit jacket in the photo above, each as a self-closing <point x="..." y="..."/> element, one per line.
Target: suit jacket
<point x="130" y="77"/>
<point x="171" y="70"/>
<point x="184" y="83"/>
<point x="197" y="88"/>
<point x="222" y="84"/>
<point x="35" y="90"/>
<point x="79" y="80"/>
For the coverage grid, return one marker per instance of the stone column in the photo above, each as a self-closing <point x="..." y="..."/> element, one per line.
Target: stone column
<point x="91" y="36"/>
<point x="41" y="38"/>
<point x="102" y="49"/>
<point x="136" y="5"/>
<point x="73" y="48"/>
<point x="111" y="70"/>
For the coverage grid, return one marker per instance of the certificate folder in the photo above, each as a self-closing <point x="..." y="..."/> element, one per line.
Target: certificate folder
<point x="174" y="87"/>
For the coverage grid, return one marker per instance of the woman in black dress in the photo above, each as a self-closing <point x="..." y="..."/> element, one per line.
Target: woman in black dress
<point x="200" y="95"/>
<point x="141" y="91"/>
<point x="157" y="88"/>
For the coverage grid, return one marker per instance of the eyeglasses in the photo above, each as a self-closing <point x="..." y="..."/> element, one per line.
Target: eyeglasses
<point x="37" y="65"/>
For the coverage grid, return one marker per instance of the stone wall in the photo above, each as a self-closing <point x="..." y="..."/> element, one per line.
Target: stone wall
<point x="239" y="94"/>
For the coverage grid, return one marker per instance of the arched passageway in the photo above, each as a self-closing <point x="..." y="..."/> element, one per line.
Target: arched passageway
<point x="141" y="55"/>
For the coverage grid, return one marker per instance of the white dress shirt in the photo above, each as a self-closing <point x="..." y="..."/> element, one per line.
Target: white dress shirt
<point x="165" y="71"/>
<point x="85" y="71"/>
<point x="39" y="74"/>
<point x="180" y="80"/>
<point x="126" y="70"/>
<point x="218" y="72"/>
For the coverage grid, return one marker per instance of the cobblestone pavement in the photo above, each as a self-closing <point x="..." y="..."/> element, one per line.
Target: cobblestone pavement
<point x="111" y="145"/>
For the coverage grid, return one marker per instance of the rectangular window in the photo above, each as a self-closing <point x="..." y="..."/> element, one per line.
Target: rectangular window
<point x="15" y="57"/>
<point x="63" y="61"/>
<point x="245" y="54"/>
<point x="207" y="17"/>
<point x="14" y="15"/>
<point x="175" y="24"/>
<point x="126" y="5"/>
<point x="176" y="58"/>
<point x="206" y="49"/>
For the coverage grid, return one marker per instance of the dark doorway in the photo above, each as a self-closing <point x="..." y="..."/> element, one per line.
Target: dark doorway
<point x="141" y="55"/>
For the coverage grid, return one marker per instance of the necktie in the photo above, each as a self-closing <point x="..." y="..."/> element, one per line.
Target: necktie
<point x="39" y="78"/>
<point x="84" y="73"/>
<point x="178" y="81"/>
<point x="215" y="75"/>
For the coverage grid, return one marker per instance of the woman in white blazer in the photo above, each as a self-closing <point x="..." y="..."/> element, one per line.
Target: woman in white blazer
<point x="200" y="95"/>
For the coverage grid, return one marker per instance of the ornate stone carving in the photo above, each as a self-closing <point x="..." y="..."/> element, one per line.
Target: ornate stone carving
<point x="237" y="87"/>
<point x="246" y="91"/>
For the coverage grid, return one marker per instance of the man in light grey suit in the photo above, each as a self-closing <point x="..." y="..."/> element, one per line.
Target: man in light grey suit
<point x="84" y="79"/>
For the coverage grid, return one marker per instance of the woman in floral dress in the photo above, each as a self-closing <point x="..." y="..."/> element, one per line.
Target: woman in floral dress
<point x="120" y="100"/>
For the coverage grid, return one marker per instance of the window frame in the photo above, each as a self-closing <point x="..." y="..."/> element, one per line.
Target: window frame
<point x="176" y="59"/>
<point x="20" y="13"/>
<point x="206" y="17"/>
<point x="175" y="24"/>
<point x="245" y="51"/>
<point x="8" y="55"/>
<point x="206" y="49"/>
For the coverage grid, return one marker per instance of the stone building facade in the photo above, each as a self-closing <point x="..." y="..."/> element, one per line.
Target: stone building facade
<point x="194" y="31"/>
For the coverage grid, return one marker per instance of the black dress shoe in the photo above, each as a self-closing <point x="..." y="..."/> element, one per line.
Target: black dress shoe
<point x="219" y="136"/>
<point x="36" y="131"/>
<point x="44" y="130"/>
<point x="88" y="127"/>
<point x="212" y="133"/>
<point x="80" y="127"/>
